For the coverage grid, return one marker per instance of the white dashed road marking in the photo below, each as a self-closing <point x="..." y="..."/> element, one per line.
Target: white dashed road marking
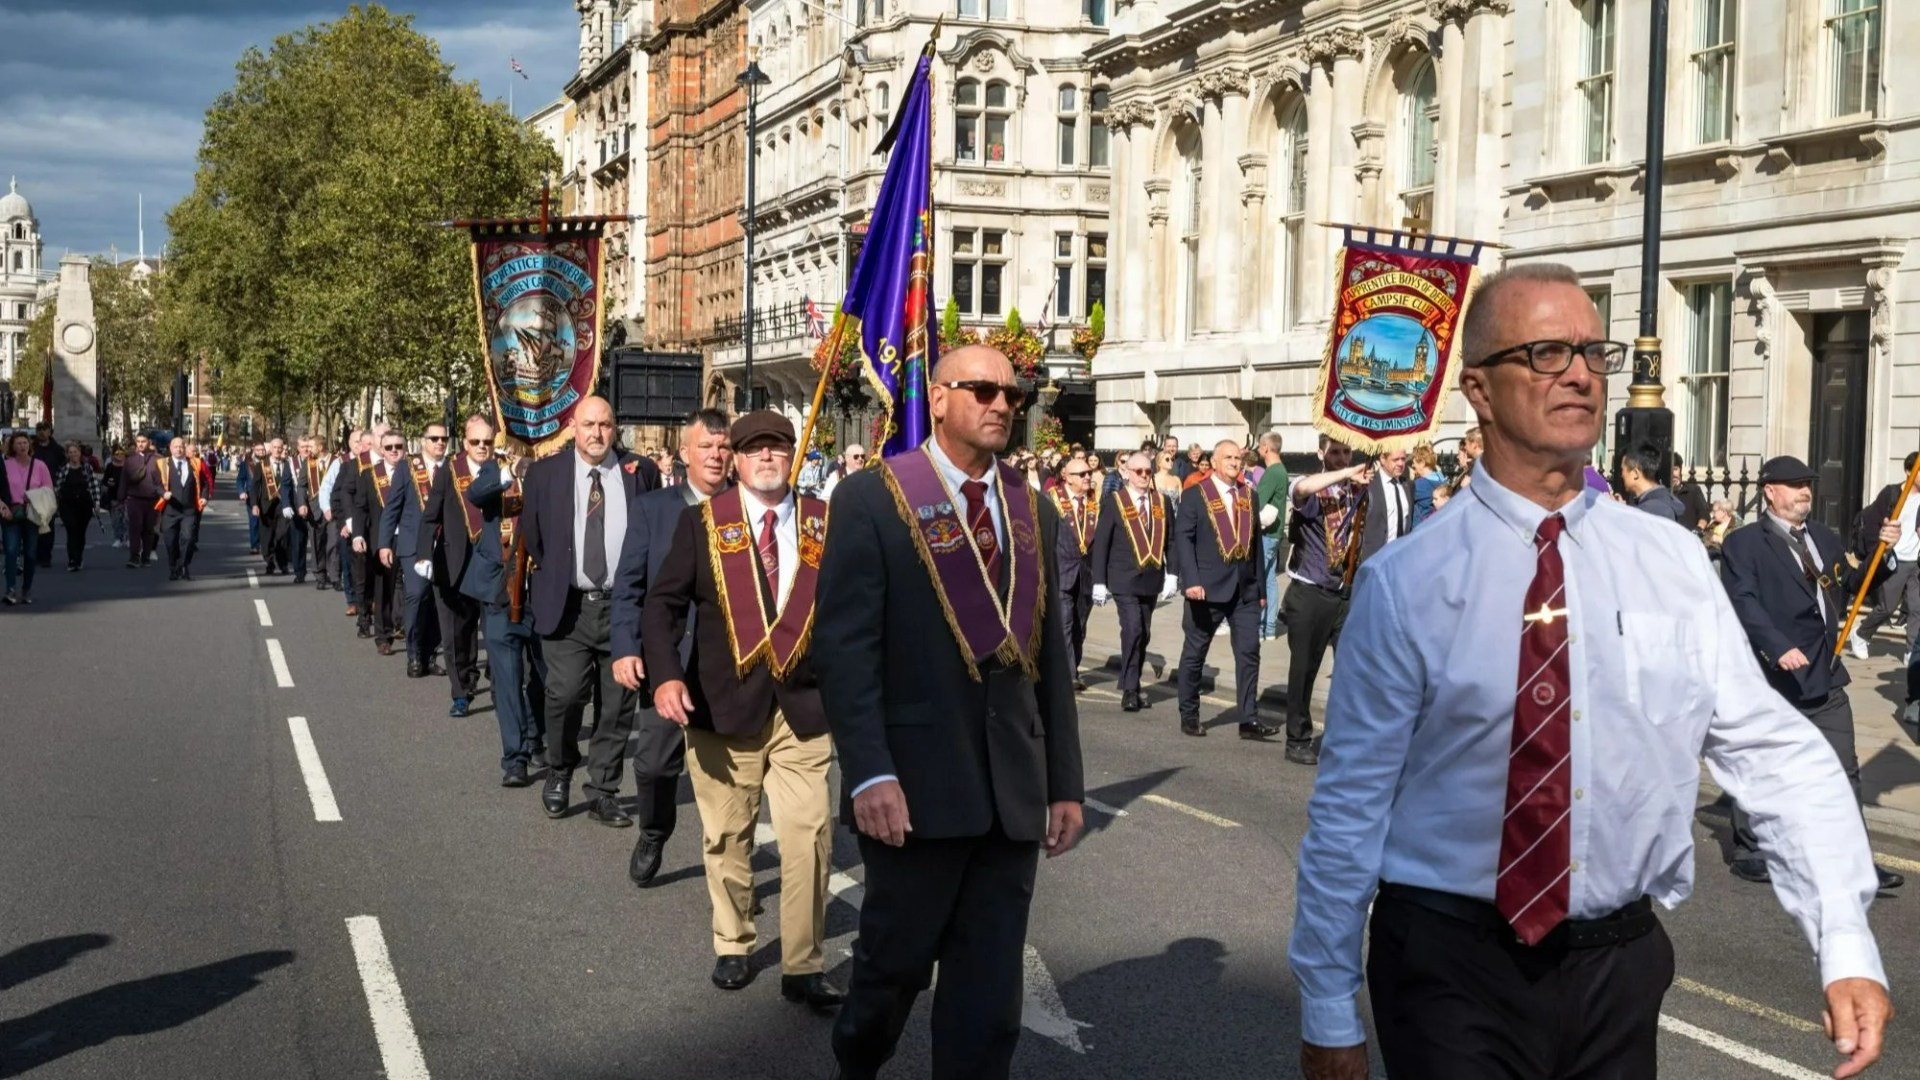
<point x="278" y="658"/>
<point x="253" y="580"/>
<point x="392" y="1027"/>
<point x="318" y="790"/>
<point x="260" y="609"/>
<point x="1110" y="811"/>
<point x="1765" y="1012"/>
<point x="1192" y="811"/>
<point x="1759" y="1059"/>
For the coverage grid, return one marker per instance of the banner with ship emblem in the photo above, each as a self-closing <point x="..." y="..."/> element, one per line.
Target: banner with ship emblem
<point x="1389" y="364"/>
<point x="537" y="286"/>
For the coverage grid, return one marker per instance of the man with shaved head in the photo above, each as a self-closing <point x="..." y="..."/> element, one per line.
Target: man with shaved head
<point x="1217" y="557"/>
<point x="948" y="687"/>
<point x="575" y="523"/>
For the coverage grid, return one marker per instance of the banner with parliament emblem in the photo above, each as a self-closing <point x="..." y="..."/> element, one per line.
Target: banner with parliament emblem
<point x="1389" y="364"/>
<point x="537" y="285"/>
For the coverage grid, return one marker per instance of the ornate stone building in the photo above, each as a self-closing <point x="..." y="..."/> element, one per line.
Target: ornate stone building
<point x="607" y="100"/>
<point x="23" y="280"/>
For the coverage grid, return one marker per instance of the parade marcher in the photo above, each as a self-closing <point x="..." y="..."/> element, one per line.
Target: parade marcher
<point x="1790" y="582"/>
<point x="1270" y="512"/>
<point x="247" y="466"/>
<point x="1218" y="561"/>
<point x="335" y="487"/>
<point x="443" y="548"/>
<point x="749" y="562"/>
<point x="399" y="533"/>
<point x="1516" y="840"/>
<point x="1389" y="504"/>
<point x="323" y="538"/>
<point x="183" y="496"/>
<point x="77" y="490"/>
<point x="490" y="511"/>
<point x="1329" y="520"/>
<point x="140" y="484"/>
<point x="1639" y="466"/>
<point x="1901" y="587"/>
<point x="21" y="474"/>
<point x="1130" y="560"/>
<point x="361" y="557"/>
<point x="379" y="610"/>
<point x="574" y="525"/>
<point x="276" y="499"/>
<point x="946" y="680"/>
<point x="1079" y="517"/>
<point x="660" y="749"/>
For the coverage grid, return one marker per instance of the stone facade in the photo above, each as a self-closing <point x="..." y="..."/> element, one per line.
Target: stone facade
<point x="607" y="100"/>
<point x="23" y="281"/>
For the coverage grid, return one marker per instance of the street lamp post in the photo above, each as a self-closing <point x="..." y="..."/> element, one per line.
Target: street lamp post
<point x="1646" y="417"/>
<point x="751" y="80"/>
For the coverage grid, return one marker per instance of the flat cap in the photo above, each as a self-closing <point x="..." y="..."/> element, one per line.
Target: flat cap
<point x="1786" y="470"/>
<point x="764" y="424"/>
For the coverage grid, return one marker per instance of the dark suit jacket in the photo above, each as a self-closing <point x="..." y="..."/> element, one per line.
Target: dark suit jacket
<point x="400" y="517"/>
<point x="343" y="486"/>
<point x="1373" y="536"/>
<point x="1778" y="607"/>
<point x="444" y="520"/>
<point x="293" y="486"/>
<point x="1075" y="576"/>
<point x="650" y="527"/>
<point x="1197" y="561"/>
<point x="364" y="507"/>
<point x="722" y="701"/>
<point x="486" y="576"/>
<point x="899" y="698"/>
<point x="179" y="491"/>
<point x="547" y="524"/>
<point x="1111" y="558"/>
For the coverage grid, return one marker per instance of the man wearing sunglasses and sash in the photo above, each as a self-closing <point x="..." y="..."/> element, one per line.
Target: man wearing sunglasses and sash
<point x="1079" y="514"/>
<point x="442" y="549"/>
<point x="378" y="616"/>
<point x="949" y="688"/>
<point x="1132" y="546"/>
<point x="1218" y="557"/>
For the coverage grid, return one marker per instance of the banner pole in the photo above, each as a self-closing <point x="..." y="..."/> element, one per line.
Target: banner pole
<point x="831" y="347"/>
<point x="1879" y="554"/>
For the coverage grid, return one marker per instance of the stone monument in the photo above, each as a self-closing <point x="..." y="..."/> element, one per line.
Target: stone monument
<point x="76" y="364"/>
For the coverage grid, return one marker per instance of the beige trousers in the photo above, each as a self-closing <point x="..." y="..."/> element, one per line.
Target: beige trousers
<point x="729" y="773"/>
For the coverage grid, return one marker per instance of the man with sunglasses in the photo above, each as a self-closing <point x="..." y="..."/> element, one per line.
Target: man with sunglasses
<point x="443" y="546"/>
<point x="1079" y="516"/>
<point x="1217" y="556"/>
<point x="1526" y="685"/>
<point x="323" y="541"/>
<point x="851" y="462"/>
<point x="401" y="552"/>
<point x="948" y="687"/>
<point x="276" y="497"/>
<point x="379" y="614"/>
<point x="1131" y="564"/>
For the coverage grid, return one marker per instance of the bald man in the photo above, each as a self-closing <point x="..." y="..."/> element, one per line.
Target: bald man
<point x="1217" y="557"/>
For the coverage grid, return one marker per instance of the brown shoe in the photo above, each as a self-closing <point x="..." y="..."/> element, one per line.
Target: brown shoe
<point x="384" y="648"/>
<point x="352" y="610"/>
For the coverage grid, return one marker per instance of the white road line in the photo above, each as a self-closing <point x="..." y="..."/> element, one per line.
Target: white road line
<point x="392" y="1027"/>
<point x="318" y="790"/>
<point x="1110" y="811"/>
<point x="278" y="658"/>
<point x="253" y="580"/>
<point x="845" y="889"/>
<point x="260" y="609"/>
<point x="1041" y="1010"/>
<point x="1192" y="811"/>
<point x="1765" y="1012"/>
<point x="1759" y="1059"/>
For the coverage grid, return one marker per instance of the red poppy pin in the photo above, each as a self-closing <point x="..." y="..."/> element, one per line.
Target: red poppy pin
<point x="632" y="467"/>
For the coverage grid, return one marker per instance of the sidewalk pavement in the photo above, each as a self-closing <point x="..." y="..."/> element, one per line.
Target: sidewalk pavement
<point x="1889" y="760"/>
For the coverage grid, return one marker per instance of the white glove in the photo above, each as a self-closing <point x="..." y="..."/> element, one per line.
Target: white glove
<point x="1171" y="588"/>
<point x="1268" y="515"/>
<point x="423" y="567"/>
<point x="1101" y="595"/>
<point x="287" y="512"/>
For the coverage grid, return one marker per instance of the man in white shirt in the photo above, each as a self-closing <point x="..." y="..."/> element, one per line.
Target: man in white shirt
<point x="1903" y="585"/>
<point x="1515" y="838"/>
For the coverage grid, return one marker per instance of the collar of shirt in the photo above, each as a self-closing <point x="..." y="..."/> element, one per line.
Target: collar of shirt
<point x="582" y="470"/>
<point x="955" y="475"/>
<point x="1786" y="527"/>
<point x="1523" y="515"/>
<point x="757" y="508"/>
<point x="1225" y="489"/>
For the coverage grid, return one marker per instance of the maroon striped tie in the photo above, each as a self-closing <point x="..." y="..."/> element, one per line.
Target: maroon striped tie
<point x="980" y="524"/>
<point x="1532" y="891"/>
<point x="770" y="559"/>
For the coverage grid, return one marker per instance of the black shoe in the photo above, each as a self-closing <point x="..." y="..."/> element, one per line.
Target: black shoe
<point x="731" y="972"/>
<point x="606" y="810"/>
<point x="436" y="668"/>
<point x="1261" y="732"/>
<point x="364" y="632"/>
<point x="133" y="564"/>
<point x="1303" y="755"/>
<point x="384" y="648"/>
<point x="173" y="575"/>
<point x="813" y="991"/>
<point x="459" y="707"/>
<point x="646" y="860"/>
<point x="1889" y="879"/>
<point x="555" y="797"/>
<point x="415" y="669"/>
<point x="1192" y="727"/>
<point x="1754" y="870"/>
<point x="1130" y="701"/>
<point x="186" y="574"/>
<point x="515" y="775"/>
<point x="1079" y="686"/>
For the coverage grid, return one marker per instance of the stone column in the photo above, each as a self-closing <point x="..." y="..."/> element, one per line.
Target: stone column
<point x="1311" y="297"/>
<point x="76" y="372"/>
<point x="1159" y="327"/>
<point x="1255" y="290"/>
<point x="1340" y="51"/>
<point x="1456" y="116"/>
<point x="1222" y="245"/>
<point x="1477" y="160"/>
<point x="1132" y="256"/>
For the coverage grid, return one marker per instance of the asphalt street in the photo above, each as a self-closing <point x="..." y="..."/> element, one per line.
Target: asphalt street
<point x="177" y="902"/>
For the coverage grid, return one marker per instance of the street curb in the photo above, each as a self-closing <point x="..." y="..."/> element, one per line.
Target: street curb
<point x="1886" y="821"/>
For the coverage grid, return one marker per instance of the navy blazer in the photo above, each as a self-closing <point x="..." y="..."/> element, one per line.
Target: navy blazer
<point x="1197" y="558"/>
<point x="1111" y="558"/>
<point x="1075" y="576"/>
<point x="486" y="576"/>
<point x="444" y="520"/>
<point x="650" y="526"/>
<point x="1778" y="607"/>
<point x="400" y="515"/>
<point x="547" y="525"/>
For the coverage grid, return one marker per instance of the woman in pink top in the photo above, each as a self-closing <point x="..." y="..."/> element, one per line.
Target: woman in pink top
<point x="21" y="473"/>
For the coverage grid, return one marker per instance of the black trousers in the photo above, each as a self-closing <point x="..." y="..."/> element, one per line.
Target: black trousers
<point x="1453" y="1000"/>
<point x="179" y="536"/>
<point x="1313" y="616"/>
<point x="75" y="520"/>
<point x="380" y="610"/>
<point x="659" y="760"/>
<point x="578" y="659"/>
<point x="1834" y="717"/>
<point x="323" y="548"/>
<point x="1202" y="618"/>
<point x="459" y="618"/>
<point x="1076" y="604"/>
<point x="275" y="536"/>
<point x="140" y="527"/>
<point x="963" y="903"/>
<point x="418" y="613"/>
<point x="43" y="549"/>
<point x="1136" y="629"/>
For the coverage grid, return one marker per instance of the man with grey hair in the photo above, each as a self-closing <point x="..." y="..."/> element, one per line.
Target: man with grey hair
<point x="852" y="461"/>
<point x="1516" y="838"/>
<point x="1132" y="550"/>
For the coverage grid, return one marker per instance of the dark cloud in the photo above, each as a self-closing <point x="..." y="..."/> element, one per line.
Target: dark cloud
<point x="101" y="101"/>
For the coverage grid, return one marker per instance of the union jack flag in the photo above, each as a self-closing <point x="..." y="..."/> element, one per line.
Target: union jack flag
<point x="816" y="322"/>
<point x="517" y="69"/>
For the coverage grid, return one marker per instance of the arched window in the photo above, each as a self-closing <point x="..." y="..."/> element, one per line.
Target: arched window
<point x="966" y="120"/>
<point x="1097" y="128"/>
<point x="1419" y="123"/>
<point x="1291" y="162"/>
<point x="882" y="109"/>
<point x="1068" y="123"/>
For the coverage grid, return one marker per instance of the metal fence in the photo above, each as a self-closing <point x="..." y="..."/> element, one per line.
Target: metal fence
<point x="777" y="323"/>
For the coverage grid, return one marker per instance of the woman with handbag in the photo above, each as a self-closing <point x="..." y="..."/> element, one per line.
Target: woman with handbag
<point x="19" y="518"/>
<point x="77" y="491"/>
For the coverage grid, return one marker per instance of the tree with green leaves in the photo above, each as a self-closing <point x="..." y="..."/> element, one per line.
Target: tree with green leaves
<point x="309" y="260"/>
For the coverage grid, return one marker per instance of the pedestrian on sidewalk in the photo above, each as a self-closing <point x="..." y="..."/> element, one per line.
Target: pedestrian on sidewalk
<point x="77" y="490"/>
<point x="110" y="492"/>
<point x="21" y="474"/>
<point x="398" y="540"/>
<point x="1270" y="507"/>
<point x="1132" y="550"/>
<point x="1219" y="560"/>
<point x="442" y="552"/>
<point x="52" y="455"/>
<point x="243" y="488"/>
<point x="1510" y="844"/>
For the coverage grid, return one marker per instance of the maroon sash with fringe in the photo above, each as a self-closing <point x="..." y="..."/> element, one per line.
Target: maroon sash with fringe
<point x="1232" y="525"/>
<point x="1149" y="538"/>
<point x="737" y="572"/>
<point x="982" y="626"/>
<point x="1082" y="522"/>
<point x="469" y="513"/>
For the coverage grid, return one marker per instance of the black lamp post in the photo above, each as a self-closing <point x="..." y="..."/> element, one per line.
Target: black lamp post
<point x="1646" y="417"/>
<point x="751" y="80"/>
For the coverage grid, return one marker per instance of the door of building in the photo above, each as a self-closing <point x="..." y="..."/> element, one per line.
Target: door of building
<point x="1839" y="431"/>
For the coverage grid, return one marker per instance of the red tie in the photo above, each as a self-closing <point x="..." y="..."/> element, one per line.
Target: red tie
<point x="980" y="524"/>
<point x="770" y="560"/>
<point x="1536" y="839"/>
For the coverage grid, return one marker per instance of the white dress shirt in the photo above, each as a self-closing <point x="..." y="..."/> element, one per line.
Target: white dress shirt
<point x="1413" y="771"/>
<point x="615" y="512"/>
<point x="1908" y="549"/>
<point x="326" y="485"/>
<point x="786" y="534"/>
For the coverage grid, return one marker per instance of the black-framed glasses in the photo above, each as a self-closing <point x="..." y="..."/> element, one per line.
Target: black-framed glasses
<point x="434" y="438"/>
<point x="394" y="446"/>
<point x="1555" y="357"/>
<point x="479" y="442"/>
<point x="985" y="390"/>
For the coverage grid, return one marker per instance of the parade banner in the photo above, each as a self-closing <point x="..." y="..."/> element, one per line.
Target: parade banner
<point x="1389" y="363"/>
<point x="537" y="285"/>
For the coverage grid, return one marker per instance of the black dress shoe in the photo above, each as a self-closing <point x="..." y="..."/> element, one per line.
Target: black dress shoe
<point x="646" y="860"/>
<point x="173" y="575"/>
<point x="435" y="667"/>
<point x="606" y="810"/>
<point x="186" y="574"/>
<point x="459" y="707"/>
<point x="1192" y="727"/>
<point x="363" y="632"/>
<point x="1260" y="732"/>
<point x="1303" y="755"/>
<point x="1079" y="686"/>
<point x="1889" y="879"/>
<point x="515" y="775"/>
<point x="731" y="972"/>
<point x="416" y="670"/>
<point x="555" y="796"/>
<point x="813" y="991"/>
<point x="1130" y="701"/>
<point x="299" y="579"/>
<point x="1754" y="870"/>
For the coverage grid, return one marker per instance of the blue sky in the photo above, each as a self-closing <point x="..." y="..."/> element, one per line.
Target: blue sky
<point x="102" y="100"/>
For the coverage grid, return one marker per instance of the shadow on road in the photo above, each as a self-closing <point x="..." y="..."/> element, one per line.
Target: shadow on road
<point x="1227" y="1027"/>
<point x="29" y="962"/>
<point x="135" y="1007"/>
